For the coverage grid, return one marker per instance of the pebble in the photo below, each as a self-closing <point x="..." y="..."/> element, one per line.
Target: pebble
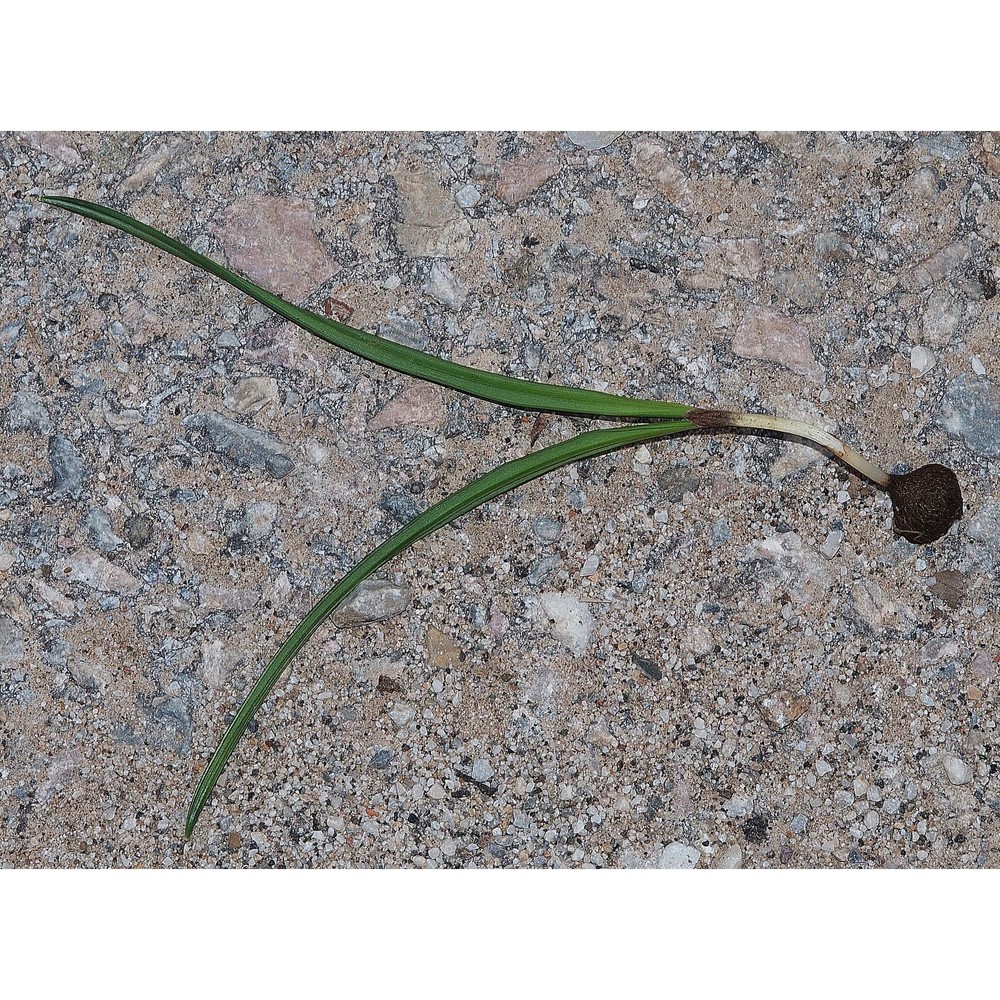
<point x="958" y="772"/>
<point x="731" y="856"/>
<point x="678" y="855"/>
<point x="566" y="617"/>
<point x="971" y="410"/>
<point x="831" y="546"/>
<point x="433" y="225"/>
<point x="468" y="196"/>
<point x="272" y="240"/>
<point x="592" y="141"/>
<point x="524" y="175"/>
<point x="420" y="404"/>
<point x="246" y="447"/>
<point x="67" y="468"/>
<point x="372" y="601"/>
<point x="98" y="526"/>
<point x="935" y="268"/>
<point x="543" y="569"/>
<point x="403" y="330"/>
<point x="977" y="366"/>
<point x="252" y="395"/>
<point x="482" y="770"/>
<point x="767" y="335"/>
<point x="444" y="287"/>
<point x="546" y="528"/>
<point x="139" y="530"/>
<point x="823" y="767"/>
<point x="921" y="359"/>
<point x="91" y="569"/>
<point x="27" y="412"/>
<point x="781" y="708"/>
<point x="402" y="714"/>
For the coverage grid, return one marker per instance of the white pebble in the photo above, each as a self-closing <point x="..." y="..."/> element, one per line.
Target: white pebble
<point x="977" y="366"/>
<point x="959" y="773"/>
<point x="678" y="855"/>
<point x="823" y="767"/>
<point x="922" y="360"/>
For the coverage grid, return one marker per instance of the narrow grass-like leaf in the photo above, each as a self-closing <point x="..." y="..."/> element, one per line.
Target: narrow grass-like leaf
<point x="517" y="392"/>
<point x="498" y="481"/>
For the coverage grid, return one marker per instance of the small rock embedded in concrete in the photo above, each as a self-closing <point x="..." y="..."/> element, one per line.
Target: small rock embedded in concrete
<point x="546" y="528"/>
<point x="400" y="506"/>
<point x="831" y="546"/>
<point x="482" y="769"/>
<point x="678" y="855"/>
<point x="524" y="175"/>
<point x="769" y="336"/>
<point x="823" y="767"/>
<point x="246" y="447"/>
<point x="98" y="525"/>
<point x="420" y="404"/>
<point x="971" y="410"/>
<point x="958" y="772"/>
<point x="444" y="287"/>
<point x="468" y="196"/>
<point x="372" y="601"/>
<point x="139" y="530"/>
<point x="781" y="708"/>
<point x="27" y="412"/>
<point x="402" y="715"/>
<point x="566" y="617"/>
<point x="931" y="270"/>
<point x="730" y="856"/>
<point x="272" y="240"/>
<point x="433" y="225"/>
<point x="403" y="330"/>
<point x="252" y="395"/>
<point x="592" y="141"/>
<point x="91" y="568"/>
<point x="67" y="468"/>
<point x="921" y="359"/>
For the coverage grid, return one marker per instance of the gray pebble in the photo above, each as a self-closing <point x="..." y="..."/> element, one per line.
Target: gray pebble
<point x="592" y="141"/>
<point x="546" y="528"/>
<point x="468" y="196"/>
<point x="831" y="546"/>
<point x="482" y="770"/>
<point x="99" y="527"/>
<point x="402" y="330"/>
<point x="67" y="468"/>
<point x="247" y="447"/>
<point x="400" y="506"/>
<point x="676" y="483"/>
<point x="372" y="601"/>
<point x="27" y="412"/>
<point x="381" y="759"/>
<point x="971" y="410"/>
<point x="544" y="568"/>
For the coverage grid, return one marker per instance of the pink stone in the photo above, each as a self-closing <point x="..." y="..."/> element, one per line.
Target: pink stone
<point x="420" y="404"/>
<point x="769" y="336"/>
<point x="525" y="175"/>
<point x="272" y="240"/>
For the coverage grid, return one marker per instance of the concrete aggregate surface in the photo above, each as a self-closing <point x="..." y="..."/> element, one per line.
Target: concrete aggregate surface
<point x="710" y="651"/>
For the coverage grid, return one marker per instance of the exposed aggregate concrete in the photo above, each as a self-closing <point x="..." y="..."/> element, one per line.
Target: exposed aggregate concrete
<point x="707" y="652"/>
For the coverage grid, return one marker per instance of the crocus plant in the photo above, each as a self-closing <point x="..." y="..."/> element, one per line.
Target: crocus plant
<point x="926" y="501"/>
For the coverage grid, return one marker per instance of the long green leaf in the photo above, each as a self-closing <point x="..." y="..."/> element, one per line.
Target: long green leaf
<point x="498" y="481"/>
<point x="516" y="392"/>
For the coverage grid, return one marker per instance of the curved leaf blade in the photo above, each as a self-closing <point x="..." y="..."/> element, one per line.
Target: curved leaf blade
<point x="495" y="483"/>
<point x="504" y="389"/>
